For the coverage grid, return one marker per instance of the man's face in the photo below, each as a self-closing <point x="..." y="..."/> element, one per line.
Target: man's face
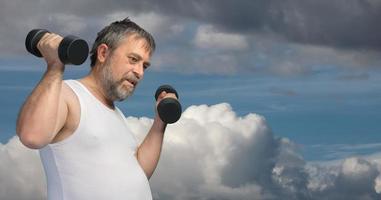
<point x="124" y="68"/>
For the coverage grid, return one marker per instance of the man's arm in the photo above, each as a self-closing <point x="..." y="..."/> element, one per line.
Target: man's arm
<point x="148" y="153"/>
<point x="44" y="111"/>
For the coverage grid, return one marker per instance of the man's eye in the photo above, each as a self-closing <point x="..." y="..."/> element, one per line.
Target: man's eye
<point x="133" y="59"/>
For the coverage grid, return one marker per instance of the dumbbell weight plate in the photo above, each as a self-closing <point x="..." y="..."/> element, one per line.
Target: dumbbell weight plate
<point x="32" y="39"/>
<point x="73" y="50"/>
<point x="169" y="110"/>
<point x="167" y="88"/>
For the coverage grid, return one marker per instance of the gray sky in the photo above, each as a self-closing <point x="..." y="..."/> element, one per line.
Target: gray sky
<point x="288" y="37"/>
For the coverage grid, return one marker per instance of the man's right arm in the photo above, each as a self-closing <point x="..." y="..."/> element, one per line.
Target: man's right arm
<point x="45" y="110"/>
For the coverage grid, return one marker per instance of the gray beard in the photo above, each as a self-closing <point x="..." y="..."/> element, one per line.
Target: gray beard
<point x="113" y="89"/>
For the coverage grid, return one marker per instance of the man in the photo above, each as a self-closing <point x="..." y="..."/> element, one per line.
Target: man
<point x="85" y="146"/>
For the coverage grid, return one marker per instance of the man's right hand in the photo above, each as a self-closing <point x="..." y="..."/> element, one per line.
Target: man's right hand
<point x="48" y="46"/>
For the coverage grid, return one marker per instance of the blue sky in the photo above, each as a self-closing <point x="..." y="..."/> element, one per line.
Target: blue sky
<point x="292" y="93"/>
<point x="319" y="112"/>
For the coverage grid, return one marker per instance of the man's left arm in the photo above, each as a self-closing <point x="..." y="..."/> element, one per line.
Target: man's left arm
<point x="148" y="153"/>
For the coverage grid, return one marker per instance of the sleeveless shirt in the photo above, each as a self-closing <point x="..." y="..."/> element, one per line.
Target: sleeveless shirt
<point x="98" y="160"/>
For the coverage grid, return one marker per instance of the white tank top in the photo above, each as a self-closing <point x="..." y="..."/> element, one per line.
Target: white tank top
<point x="98" y="161"/>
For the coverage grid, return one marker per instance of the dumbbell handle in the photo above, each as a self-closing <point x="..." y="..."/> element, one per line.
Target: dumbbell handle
<point x="169" y="109"/>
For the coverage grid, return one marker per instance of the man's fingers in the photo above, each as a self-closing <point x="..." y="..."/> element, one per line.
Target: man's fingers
<point x="164" y="94"/>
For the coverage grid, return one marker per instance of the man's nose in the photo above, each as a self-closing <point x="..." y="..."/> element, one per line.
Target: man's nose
<point x="139" y="71"/>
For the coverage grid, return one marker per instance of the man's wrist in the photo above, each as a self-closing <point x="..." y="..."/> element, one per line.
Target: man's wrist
<point x="56" y="66"/>
<point x="159" y="124"/>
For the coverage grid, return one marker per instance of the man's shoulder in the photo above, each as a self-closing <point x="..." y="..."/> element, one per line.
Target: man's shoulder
<point x="69" y="95"/>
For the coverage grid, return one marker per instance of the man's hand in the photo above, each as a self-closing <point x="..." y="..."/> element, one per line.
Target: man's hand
<point x="48" y="46"/>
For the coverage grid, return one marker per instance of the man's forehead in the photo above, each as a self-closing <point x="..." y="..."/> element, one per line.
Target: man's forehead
<point x="138" y="40"/>
<point x="137" y="45"/>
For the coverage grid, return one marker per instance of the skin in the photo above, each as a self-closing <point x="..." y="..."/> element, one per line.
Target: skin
<point x="51" y="113"/>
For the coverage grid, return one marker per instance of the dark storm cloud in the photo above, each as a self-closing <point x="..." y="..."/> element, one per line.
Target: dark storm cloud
<point x="278" y="37"/>
<point x="342" y="23"/>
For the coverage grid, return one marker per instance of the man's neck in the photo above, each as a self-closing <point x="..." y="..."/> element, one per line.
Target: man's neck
<point x="94" y="86"/>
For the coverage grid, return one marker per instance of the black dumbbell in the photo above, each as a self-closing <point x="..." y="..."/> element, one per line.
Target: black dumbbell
<point x="71" y="50"/>
<point x="169" y="109"/>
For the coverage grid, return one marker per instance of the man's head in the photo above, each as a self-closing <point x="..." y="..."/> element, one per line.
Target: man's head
<point x="121" y="53"/>
<point x="112" y="34"/>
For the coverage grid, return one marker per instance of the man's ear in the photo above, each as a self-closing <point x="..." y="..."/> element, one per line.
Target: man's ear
<point x="102" y="53"/>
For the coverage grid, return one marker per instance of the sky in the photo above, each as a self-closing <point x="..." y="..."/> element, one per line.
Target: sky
<point x="281" y="99"/>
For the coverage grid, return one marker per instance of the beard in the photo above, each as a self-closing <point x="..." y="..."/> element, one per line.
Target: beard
<point x="114" y="89"/>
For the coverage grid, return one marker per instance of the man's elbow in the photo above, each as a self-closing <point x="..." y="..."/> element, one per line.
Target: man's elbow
<point x="31" y="140"/>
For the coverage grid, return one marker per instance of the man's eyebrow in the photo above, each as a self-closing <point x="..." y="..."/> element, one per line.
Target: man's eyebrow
<point x="136" y="55"/>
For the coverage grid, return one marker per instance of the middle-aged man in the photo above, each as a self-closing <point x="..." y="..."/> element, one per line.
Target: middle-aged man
<point x="86" y="148"/>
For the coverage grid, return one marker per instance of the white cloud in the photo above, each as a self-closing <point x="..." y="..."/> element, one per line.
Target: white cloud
<point x="21" y="173"/>
<point x="67" y="23"/>
<point x="352" y="167"/>
<point x="352" y="178"/>
<point x="377" y="184"/>
<point x="208" y="37"/>
<point x="212" y="153"/>
<point x="158" y="25"/>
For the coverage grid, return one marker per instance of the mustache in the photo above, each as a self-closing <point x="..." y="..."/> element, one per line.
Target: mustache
<point x="131" y="78"/>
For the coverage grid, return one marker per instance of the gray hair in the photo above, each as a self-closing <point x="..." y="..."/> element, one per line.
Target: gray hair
<point x="112" y="34"/>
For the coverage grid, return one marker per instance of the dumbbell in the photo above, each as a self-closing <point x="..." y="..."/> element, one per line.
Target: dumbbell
<point x="169" y="109"/>
<point x="71" y="50"/>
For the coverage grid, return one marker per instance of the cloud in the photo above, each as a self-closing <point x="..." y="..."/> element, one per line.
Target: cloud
<point x="301" y="21"/>
<point x="158" y="25"/>
<point x="291" y="59"/>
<point x="282" y="38"/>
<point x="353" y="178"/>
<point x="208" y="37"/>
<point x="341" y="151"/>
<point x="21" y="172"/>
<point x="212" y="153"/>
<point x="377" y="186"/>
<point x="260" y="54"/>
